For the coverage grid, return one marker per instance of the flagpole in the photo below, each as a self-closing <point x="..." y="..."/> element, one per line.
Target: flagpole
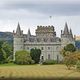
<point x="50" y="20"/>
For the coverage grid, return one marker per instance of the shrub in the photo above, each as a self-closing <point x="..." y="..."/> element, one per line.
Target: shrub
<point x="70" y="61"/>
<point x="32" y="62"/>
<point x="23" y="57"/>
<point x="49" y="62"/>
<point x="78" y="65"/>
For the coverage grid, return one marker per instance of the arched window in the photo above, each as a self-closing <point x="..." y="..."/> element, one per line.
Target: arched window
<point x="48" y="48"/>
<point x="42" y="48"/>
<point x="27" y="48"/>
<point x="49" y="56"/>
<point x="42" y="58"/>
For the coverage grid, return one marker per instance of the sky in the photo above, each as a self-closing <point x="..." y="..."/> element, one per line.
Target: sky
<point x="31" y="13"/>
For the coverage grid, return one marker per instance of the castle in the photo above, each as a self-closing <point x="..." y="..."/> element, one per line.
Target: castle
<point x="45" y="40"/>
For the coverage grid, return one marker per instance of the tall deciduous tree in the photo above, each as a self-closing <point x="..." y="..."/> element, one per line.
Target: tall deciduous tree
<point x="5" y="51"/>
<point x="7" y="48"/>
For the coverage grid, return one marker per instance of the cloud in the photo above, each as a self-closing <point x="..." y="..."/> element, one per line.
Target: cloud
<point x="48" y="7"/>
<point x="40" y="1"/>
<point x="31" y="13"/>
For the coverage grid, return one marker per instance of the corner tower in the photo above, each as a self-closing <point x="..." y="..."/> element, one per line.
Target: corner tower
<point x="66" y="36"/>
<point x="18" y="40"/>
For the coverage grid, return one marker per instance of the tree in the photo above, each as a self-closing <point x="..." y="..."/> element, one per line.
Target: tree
<point x="2" y="57"/>
<point x="35" y="54"/>
<point x="70" y="47"/>
<point x="68" y="53"/>
<point x="8" y="51"/>
<point x="78" y="65"/>
<point x="23" y="57"/>
<point x="70" y="60"/>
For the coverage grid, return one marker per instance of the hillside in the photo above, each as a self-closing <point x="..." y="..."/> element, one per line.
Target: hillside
<point x="6" y="36"/>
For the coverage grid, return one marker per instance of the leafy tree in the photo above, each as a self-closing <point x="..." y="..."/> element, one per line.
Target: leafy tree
<point x="2" y="58"/>
<point x="70" y="47"/>
<point x="1" y="53"/>
<point x="70" y="60"/>
<point x="5" y="51"/>
<point x="23" y="57"/>
<point x="68" y="53"/>
<point x="35" y="54"/>
<point x="78" y="65"/>
<point x="8" y="49"/>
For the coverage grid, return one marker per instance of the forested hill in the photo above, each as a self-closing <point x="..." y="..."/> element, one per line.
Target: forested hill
<point x="6" y="36"/>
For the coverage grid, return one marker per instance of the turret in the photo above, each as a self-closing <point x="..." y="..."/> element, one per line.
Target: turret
<point x="28" y="34"/>
<point x="71" y="33"/>
<point x="66" y="30"/>
<point x="66" y="36"/>
<point x="18" y="40"/>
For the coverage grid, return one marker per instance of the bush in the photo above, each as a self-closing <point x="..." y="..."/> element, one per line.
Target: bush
<point x="32" y="62"/>
<point x="70" y="61"/>
<point x="78" y="65"/>
<point x="49" y="62"/>
<point x="23" y="57"/>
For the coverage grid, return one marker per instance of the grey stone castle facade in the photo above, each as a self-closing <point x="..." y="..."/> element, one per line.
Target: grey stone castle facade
<point x="45" y="40"/>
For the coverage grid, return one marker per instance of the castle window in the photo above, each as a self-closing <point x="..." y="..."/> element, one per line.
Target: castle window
<point x="42" y="48"/>
<point x="21" y="40"/>
<point x="57" y="58"/>
<point x="38" y="40"/>
<point x="42" y="58"/>
<point x="49" y="48"/>
<point x="21" y="47"/>
<point x="28" y="48"/>
<point x="49" y="56"/>
<point x="56" y="47"/>
<point x="45" y="40"/>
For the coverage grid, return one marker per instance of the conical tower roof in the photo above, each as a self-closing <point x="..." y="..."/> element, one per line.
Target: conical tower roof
<point x="18" y="31"/>
<point x="66" y="30"/>
<point x="29" y="33"/>
<point x="71" y="33"/>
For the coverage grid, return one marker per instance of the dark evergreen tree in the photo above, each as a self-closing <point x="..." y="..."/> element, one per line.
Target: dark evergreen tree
<point x="35" y="54"/>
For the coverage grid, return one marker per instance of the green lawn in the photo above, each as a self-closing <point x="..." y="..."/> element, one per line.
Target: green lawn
<point x="37" y="71"/>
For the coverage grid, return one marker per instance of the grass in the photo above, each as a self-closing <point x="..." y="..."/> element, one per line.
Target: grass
<point x="8" y="64"/>
<point x="37" y="71"/>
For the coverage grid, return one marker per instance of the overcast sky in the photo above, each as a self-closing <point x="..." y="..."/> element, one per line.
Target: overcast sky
<point x="30" y="13"/>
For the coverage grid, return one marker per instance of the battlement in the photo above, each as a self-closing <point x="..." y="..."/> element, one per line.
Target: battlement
<point x="49" y="26"/>
<point x="45" y="28"/>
